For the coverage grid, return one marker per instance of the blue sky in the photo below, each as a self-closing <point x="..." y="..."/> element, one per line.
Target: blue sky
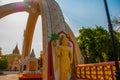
<point x="77" y="13"/>
<point x="87" y="13"/>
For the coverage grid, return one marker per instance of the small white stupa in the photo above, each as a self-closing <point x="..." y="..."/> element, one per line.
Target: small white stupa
<point x="30" y="64"/>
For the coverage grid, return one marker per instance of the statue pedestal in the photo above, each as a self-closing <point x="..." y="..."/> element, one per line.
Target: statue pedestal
<point x="23" y="76"/>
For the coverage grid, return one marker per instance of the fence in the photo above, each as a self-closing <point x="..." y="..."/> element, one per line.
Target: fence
<point x="96" y="71"/>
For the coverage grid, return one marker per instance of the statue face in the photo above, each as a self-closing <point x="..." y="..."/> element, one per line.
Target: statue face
<point x="65" y="40"/>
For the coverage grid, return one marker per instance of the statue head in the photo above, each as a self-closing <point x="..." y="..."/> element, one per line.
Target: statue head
<point x="63" y="40"/>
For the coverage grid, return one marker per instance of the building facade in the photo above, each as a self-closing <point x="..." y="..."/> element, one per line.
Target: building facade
<point x="14" y="59"/>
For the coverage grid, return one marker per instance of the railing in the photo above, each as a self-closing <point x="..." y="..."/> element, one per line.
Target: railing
<point x="96" y="71"/>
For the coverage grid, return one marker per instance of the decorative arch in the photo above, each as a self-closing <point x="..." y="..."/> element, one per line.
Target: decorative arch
<point x="52" y="22"/>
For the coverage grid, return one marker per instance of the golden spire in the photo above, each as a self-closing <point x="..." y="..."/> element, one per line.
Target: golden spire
<point x="16" y="50"/>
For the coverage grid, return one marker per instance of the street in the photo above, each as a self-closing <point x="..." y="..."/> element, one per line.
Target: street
<point x="9" y="76"/>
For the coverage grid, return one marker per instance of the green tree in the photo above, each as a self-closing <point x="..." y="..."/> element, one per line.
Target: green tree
<point x="3" y="63"/>
<point x="95" y="44"/>
<point x="116" y="21"/>
<point x="117" y="43"/>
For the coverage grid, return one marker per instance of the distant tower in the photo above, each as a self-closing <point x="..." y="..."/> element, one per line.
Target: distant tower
<point x="16" y="50"/>
<point x="0" y="52"/>
<point x="32" y="55"/>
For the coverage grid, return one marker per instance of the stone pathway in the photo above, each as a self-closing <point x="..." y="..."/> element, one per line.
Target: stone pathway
<point x="14" y="76"/>
<point x="9" y="77"/>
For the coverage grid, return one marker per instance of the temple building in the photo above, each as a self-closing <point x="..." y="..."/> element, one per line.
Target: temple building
<point x="15" y="66"/>
<point x="16" y="50"/>
<point x="14" y="59"/>
<point x="30" y="64"/>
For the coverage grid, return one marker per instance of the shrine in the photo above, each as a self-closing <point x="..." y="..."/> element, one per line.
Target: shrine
<point x="30" y="64"/>
<point x="59" y="43"/>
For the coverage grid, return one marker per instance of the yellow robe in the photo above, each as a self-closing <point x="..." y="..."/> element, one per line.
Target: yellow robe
<point x="62" y="53"/>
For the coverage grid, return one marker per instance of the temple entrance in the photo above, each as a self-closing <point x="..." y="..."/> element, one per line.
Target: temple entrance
<point x="56" y="33"/>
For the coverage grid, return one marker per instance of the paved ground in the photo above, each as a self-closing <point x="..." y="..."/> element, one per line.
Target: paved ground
<point x="14" y="76"/>
<point x="10" y="72"/>
<point x="9" y="77"/>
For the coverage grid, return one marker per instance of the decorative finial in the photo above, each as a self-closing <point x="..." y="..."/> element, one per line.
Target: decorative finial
<point x="32" y="53"/>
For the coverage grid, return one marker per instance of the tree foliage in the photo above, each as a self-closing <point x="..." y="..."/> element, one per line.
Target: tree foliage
<point x="95" y="44"/>
<point x="117" y="43"/>
<point x="3" y="63"/>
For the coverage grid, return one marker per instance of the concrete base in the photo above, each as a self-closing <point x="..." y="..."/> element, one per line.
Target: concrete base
<point x="30" y="76"/>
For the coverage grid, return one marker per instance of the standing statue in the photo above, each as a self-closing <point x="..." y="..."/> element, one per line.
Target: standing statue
<point x="63" y="58"/>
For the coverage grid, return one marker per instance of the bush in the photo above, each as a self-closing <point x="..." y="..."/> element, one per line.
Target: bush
<point x="3" y="63"/>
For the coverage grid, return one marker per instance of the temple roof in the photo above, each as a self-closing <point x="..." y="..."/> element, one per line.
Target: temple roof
<point x="16" y="50"/>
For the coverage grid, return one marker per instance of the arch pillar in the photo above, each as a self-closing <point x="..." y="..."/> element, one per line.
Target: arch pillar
<point x="32" y="19"/>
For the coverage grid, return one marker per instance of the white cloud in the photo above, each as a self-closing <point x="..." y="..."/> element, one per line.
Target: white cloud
<point x="11" y="31"/>
<point x="3" y="2"/>
<point x="12" y="28"/>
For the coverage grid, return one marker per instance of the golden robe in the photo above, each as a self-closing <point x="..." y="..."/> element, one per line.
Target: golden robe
<point x="64" y="54"/>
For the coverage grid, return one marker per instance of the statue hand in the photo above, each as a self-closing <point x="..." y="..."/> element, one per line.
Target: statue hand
<point x="54" y="43"/>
